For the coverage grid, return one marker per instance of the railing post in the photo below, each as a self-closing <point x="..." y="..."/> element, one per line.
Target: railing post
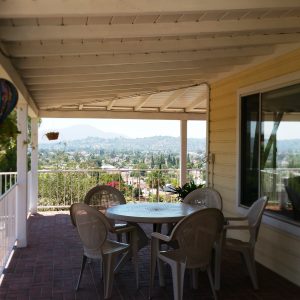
<point x="34" y="166"/>
<point x="183" y="151"/>
<point x="21" y="205"/>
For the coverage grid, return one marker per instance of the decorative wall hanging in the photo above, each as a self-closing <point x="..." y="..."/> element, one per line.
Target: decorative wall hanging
<point x="8" y="98"/>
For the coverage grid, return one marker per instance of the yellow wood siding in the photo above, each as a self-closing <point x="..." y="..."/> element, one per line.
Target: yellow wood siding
<point x="276" y="249"/>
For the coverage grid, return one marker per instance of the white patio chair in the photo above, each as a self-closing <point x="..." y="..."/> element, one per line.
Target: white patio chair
<point x="196" y="235"/>
<point x="93" y="228"/>
<point x="207" y="197"/>
<point x="210" y="198"/>
<point x="102" y="197"/>
<point x="247" y="249"/>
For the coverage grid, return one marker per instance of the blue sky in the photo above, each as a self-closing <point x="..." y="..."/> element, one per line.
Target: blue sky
<point x="130" y="128"/>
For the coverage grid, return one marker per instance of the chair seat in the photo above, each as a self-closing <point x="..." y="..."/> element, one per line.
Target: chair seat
<point x="109" y="247"/>
<point x="177" y="255"/>
<point x="236" y="244"/>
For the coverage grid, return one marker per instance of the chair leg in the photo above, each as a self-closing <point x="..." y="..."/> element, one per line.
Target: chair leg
<point x="195" y="278"/>
<point x="84" y="258"/>
<point x="108" y="268"/>
<point x="250" y="263"/>
<point x="218" y="257"/>
<point x="134" y="251"/>
<point x="178" y="270"/>
<point x="211" y="282"/>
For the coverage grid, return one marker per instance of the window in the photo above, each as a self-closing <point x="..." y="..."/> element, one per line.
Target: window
<point x="270" y="150"/>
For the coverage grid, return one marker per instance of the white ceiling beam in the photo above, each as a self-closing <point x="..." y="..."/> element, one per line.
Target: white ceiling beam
<point x="208" y="69"/>
<point x="165" y="45"/>
<point x="132" y="68"/>
<point x="201" y="100"/>
<point x="53" y="8"/>
<point x="111" y="104"/>
<point x="84" y="90"/>
<point x="111" y="85"/>
<point x="172" y="98"/>
<point x="121" y="115"/>
<point x="123" y="31"/>
<point x="7" y="71"/>
<point x="50" y="62"/>
<point x="142" y="102"/>
<point x="137" y="76"/>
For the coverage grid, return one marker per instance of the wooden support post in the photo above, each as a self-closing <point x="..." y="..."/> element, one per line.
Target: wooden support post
<point x="21" y="205"/>
<point x="183" y="151"/>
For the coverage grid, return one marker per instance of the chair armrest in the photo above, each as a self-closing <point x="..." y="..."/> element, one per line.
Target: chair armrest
<point x="236" y="227"/>
<point x="123" y="229"/>
<point x="160" y="236"/>
<point x="235" y="218"/>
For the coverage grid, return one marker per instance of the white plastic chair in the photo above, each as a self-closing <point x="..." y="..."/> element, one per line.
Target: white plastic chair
<point x="247" y="249"/>
<point x="93" y="228"/>
<point x="196" y="235"/>
<point x="104" y="196"/>
<point x="207" y="197"/>
<point x="210" y="198"/>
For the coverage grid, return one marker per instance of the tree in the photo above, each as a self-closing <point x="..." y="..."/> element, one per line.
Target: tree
<point x="8" y="143"/>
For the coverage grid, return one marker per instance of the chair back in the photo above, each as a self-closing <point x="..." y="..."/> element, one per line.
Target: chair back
<point x="254" y="217"/>
<point x="208" y="197"/>
<point x="196" y="235"/>
<point x="92" y="228"/>
<point x="103" y="197"/>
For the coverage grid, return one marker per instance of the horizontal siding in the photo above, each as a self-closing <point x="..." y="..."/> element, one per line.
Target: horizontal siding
<point x="275" y="249"/>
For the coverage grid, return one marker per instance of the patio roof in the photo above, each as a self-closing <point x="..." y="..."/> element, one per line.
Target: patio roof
<point x="136" y="59"/>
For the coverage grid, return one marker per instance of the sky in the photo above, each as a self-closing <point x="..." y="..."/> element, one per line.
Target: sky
<point x="130" y="128"/>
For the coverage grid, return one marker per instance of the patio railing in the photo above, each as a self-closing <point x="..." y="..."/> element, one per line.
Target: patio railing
<point x="7" y="180"/>
<point x="61" y="188"/>
<point x="7" y="224"/>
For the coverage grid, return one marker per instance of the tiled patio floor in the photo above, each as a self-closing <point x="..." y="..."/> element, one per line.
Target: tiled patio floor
<point x="49" y="266"/>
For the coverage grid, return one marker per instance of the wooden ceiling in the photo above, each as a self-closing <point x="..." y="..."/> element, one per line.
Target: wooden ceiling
<point x="135" y="58"/>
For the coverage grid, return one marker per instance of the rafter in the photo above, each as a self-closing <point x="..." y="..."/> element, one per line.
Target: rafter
<point x="172" y="98"/>
<point x="121" y="115"/>
<point x="49" y="62"/>
<point x="45" y="9"/>
<point x="123" y="31"/>
<point x="133" y="47"/>
<point x="143" y="100"/>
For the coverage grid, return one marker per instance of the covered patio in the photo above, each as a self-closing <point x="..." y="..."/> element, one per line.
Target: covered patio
<point x="166" y="60"/>
<point x="48" y="269"/>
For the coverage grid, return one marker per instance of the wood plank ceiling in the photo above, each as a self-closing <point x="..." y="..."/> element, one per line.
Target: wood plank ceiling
<point x="130" y="57"/>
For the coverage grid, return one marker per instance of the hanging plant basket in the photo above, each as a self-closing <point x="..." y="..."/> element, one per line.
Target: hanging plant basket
<point x="52" y="135"/>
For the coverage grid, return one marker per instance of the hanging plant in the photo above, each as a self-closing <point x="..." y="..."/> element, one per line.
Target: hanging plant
<point x="52" y="135"/>
<point x="8" y="98"/>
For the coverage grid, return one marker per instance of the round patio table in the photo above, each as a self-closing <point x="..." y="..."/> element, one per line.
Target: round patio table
<point x="155" y="213"/>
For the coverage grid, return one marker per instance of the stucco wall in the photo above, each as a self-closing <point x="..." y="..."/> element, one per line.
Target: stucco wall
<point x="276" y="249"/>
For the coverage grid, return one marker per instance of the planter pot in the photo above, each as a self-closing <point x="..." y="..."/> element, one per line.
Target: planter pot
<point x="52" y="135"/>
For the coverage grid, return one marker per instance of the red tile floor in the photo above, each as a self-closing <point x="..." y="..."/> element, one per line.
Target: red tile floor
<point x="48" y="269"/>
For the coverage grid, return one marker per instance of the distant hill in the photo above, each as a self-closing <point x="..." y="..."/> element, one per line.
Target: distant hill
<point x="78" y="132"/>
<point x="148" y="144"/>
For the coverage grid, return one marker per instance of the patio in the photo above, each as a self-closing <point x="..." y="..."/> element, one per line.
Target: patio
<point x="49" y="266"/>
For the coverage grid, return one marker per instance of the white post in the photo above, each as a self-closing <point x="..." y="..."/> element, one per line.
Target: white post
<point x="21" y="205"/>
<point x="183" y="151"/>
<point x="34" y="166"/>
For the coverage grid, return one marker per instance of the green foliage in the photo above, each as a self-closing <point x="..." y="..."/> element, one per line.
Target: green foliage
<point x="8" y="143"/>
<point x="185" y="189"/>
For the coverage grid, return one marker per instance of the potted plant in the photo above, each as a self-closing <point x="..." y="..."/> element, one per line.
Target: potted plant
<point x="185" y="189"/>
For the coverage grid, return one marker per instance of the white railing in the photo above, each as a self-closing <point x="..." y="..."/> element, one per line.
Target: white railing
<point x="61" y="188"/>
<point x="7" y="224"/>
<point x="7" y="180"/>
